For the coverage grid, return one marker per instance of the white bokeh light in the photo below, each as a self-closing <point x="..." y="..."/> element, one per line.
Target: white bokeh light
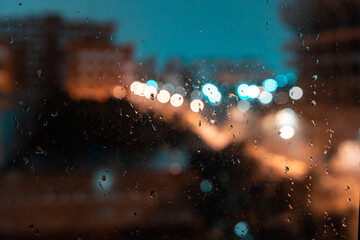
<point x="295" y="93"/>
<point x="196" y="105"/>
<point x="133" y="86"/>
<point x="150" y="92"/>
<point x="176" y="100"/>
<point x="287" y="132"/>
<point x="140" y="89"/>
<point x="253" y="91"/>
<point x="163" y="96"/>
<point x="265" y="97"/>
<point x="286" y="117"/>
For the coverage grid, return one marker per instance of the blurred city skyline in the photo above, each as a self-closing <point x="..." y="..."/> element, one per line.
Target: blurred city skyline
<point x="186" y="30"/>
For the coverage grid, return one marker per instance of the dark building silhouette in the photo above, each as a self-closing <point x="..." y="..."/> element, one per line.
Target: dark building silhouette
<point x="328" y="53"/>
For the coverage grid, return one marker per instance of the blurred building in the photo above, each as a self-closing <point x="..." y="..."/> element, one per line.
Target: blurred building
<point x="328" y="55"/>
<point x="6" y="81"/>
<point x="42" y="47"/>
<point x="94" y="70"/>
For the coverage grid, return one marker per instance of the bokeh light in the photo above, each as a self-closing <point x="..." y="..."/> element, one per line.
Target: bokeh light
<point x="140" y="89"/>
<point x="241" y="90"/>
<point x="196" y="94"/>
<point x="163" y="96"/>
<point x="215" y="98"/>
<point x="292" y="78"/>
<point x="176" y="100"/>
<point x="253" y="91"/>
<point x="287" y="132"/>
<point x="175" y="168"/>
<point x="209" y="89"/>
<point x="103" y="180"/>
<point x="206" y="186"/>
<point x="265" y="97"/>
<point x="295" y="93"/>
<point x="196" y="105"/>
<point x="270" y="85"/>
<point x="119" y="92"/>
<point x="286" y="117"/>
<point x="133" y="86"/>
<point x="281" y="80"/>
<point x="152" y="83"/>
<point x="241" y="229"/>
<point x="150" y="92"/>
<point x="243" y="105"/>
<point x="169" y="87"/>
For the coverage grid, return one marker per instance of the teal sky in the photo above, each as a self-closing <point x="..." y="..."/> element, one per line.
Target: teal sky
<point x="233" y="29"/>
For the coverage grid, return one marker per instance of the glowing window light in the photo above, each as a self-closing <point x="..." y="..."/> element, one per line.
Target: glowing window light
<point x="295" y="93"/>
<point x="152" y="83"/>
<point x="265" y="97"/>
<point x="287" y="132"/>
<point x="253" y="91"/>
<point x="206" y="186"/>
<point x="163" y="96"/>
<point x="119" y="92"/>
<point x="140" y="89"/>
<point x="286" y="117"/>
<point x="242" y="90"/>
<point x="270" y="85"/>
<point x="209" y="90"/>
<point x="241" y="229"/>
<point x="243" y="106"/>
<point x="133" y="86"/>
<point x="196" y="105"/>
<point x="169" y="87"/>
<point x="176" y="100"/>
<point x="150" y="92"/>
<point x="281" y="80"/>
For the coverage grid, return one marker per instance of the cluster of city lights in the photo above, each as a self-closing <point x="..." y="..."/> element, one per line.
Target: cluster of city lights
<point x="264" y="93"/>
<point x="286" y="121"/>
<point x="151" y="90"/>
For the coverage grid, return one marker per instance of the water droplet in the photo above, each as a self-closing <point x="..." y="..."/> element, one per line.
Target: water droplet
<point x="289" y="219"/>
<point x="313" y="102"/>
<point x="287" y="169"/>
<point x="214" y="113"/>
<point x="315" y="77"/>
<point x="152" y="194"/>
<point x="311" y="144"/>
<point x="313" y="122"/>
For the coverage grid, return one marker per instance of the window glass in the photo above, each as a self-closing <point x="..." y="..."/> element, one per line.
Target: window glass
<point x="180" y="119"/>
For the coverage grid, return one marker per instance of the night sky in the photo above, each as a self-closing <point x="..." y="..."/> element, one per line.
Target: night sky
<point x="188" y="29"/>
